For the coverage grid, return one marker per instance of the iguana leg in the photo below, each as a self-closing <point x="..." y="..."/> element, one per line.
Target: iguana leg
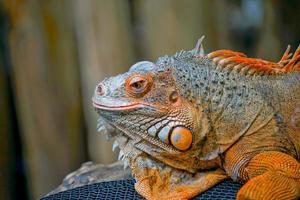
<point x="271" y="175"/>
<point x="162" y="182"/>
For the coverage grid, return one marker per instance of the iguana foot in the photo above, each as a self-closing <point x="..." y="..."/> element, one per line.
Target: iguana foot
<point x="269" y="186"/>
<point x="158" y="181"/>
<point x="273" y="175"/>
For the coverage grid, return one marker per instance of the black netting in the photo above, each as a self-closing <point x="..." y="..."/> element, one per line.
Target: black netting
<point x="124" y="189"/>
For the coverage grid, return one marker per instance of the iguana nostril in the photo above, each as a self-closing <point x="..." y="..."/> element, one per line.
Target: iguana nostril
<point x="100" y="89"/>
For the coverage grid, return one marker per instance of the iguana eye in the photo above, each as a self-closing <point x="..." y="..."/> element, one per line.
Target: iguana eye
<point x="138" y="85"/>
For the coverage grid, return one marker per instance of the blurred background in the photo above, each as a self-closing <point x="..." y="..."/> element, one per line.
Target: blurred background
<point x="54" y="52"/>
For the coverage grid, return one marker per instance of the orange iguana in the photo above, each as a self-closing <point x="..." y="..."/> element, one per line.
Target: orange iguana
<point x="189" y="121"/>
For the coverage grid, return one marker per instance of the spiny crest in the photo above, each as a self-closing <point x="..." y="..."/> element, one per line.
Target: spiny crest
<point x="183" y="55"/>
<point x="292" y="64"/>
<point x="231" y="60"/>
<point x="239" y="62"/>
<point x="198" y="51"/>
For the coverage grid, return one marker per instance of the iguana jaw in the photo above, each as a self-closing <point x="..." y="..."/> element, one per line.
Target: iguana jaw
<point x="114" y="112"/>
<point x="156" y="144"/>
<point x="187" y="160"/>
<point x="127" y="118"/>
<point x="113" y="115"/>
<point x="171" y="157"/>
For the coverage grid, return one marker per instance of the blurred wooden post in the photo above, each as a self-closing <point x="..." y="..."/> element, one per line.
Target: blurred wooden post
<point x="171" y="25"/>
<point x="105" y="49"/>
<point x="46" y="83"/>
<point x="269" y="45"/>
<point x="6" y="152"/>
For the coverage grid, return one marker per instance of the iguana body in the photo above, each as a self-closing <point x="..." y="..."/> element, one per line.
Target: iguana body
<point x="191" y="120"/>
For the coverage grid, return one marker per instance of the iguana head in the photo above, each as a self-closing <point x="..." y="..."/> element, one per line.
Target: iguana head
<point x="150" y="105"/>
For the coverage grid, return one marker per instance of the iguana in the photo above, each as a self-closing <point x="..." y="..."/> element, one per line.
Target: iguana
<point x="189" y="121"/>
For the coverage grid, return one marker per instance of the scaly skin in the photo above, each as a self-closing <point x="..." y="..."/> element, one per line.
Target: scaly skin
<point x="189" y="121"/>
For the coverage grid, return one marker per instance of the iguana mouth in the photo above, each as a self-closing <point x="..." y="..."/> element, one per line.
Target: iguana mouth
<point x="125" y="106"/>
<point x="117" y="108"/>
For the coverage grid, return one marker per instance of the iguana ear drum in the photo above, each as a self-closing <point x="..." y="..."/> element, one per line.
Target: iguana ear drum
<point x="181" y="138"/>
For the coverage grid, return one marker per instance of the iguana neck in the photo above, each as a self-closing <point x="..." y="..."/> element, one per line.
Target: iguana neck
<point x="223" y="98"/>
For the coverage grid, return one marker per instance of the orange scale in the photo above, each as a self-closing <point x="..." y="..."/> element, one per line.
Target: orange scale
<point x="181" y="138"/>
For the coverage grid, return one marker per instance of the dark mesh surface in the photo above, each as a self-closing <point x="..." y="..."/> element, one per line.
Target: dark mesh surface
<point x="124" y="189"/>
